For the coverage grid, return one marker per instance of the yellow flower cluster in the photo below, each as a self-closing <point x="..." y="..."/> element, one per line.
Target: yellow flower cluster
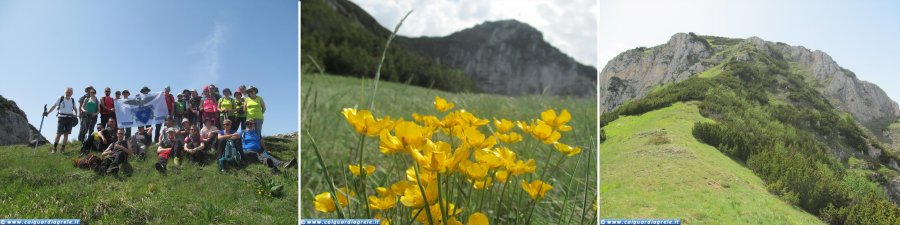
<point x="452" y="146"/>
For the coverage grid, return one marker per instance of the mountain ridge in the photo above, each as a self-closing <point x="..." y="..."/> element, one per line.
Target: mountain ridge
<point x="633" y="73"/>
<point x="501" y="57"/>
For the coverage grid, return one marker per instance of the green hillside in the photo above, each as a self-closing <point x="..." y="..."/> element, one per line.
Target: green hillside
<point x="769" y="117"/>
<point x="45" y="185"/>
<point x="347" y="41"/>
<point x="323" y="97"/>
<point x="652" y="167"/>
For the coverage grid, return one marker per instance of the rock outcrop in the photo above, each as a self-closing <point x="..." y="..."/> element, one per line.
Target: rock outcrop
<point x="509" y="58"/>
<point x="634" y="73"/>
<point x="15" y="127"/>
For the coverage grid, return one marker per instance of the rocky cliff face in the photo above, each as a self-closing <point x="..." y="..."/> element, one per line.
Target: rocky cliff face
<point x="509" y="58"/>
<point x="634" y="73"/>
<point x="14" y="125"/>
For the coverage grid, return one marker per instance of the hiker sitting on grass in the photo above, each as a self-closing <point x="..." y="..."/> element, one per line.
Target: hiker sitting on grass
<point x="95" y="141"/>
<point x="208" y="135"/>
<point x="141" y="140"/>
<point x="169" y="146"/>
<point x="254" y="148"/>
<point x="231" y="152"/>
<point x="116" y="156"/>
<point x="193" y="146"/>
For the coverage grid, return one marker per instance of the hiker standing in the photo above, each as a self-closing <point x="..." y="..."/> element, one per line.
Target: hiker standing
<point x="239" y="114"/>
<point x="226" y="107"/>
<point x="67" y="117"/>
<point x="255" y="107"/>
<point x="90" y="107"/>
<point x="125" y="94"/>
<point x="179" y="107"/>
<point x="107" y="106"/>
<point x="194" y="103"/>
<point x="84" y="127"/>
<point x="170" y="106"/>
<point x="209" y="107"/>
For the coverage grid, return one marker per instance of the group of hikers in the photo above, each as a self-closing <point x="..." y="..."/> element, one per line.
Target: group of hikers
<point x="198" y="128"/>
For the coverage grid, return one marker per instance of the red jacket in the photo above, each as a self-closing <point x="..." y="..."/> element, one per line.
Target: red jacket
<point x="170" y="101"/>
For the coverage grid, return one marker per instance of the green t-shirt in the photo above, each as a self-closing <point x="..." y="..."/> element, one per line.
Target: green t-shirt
<point x="254" y="107"/>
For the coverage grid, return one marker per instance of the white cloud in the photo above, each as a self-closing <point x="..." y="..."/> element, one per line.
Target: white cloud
<point x="206" y="70"/>
<point x="570" y="26"/>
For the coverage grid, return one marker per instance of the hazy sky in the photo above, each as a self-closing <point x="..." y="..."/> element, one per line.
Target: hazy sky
<point x="862" y="36"/>
<point x="570" y="26"/>
<point x="45" y="47"/>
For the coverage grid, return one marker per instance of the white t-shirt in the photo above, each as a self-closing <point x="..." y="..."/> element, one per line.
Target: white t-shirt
<point x="65" y="107"/>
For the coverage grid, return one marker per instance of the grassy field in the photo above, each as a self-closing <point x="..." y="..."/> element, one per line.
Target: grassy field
<point x="652" y="167"/>
<point x="323" y="97"/>
<point x="45" y="185"/>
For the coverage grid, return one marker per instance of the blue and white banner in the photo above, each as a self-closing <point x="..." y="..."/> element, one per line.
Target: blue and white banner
<point x="141" y="110"/>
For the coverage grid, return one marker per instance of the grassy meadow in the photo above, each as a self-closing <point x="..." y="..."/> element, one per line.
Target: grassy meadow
<point x="45" y="185"/>
<point x="324" y="96"/>
<point x="653" y="167"/>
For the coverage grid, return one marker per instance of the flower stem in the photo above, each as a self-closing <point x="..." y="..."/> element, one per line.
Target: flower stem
<point x="424" y="196"/>
<point x="362" y="171"/>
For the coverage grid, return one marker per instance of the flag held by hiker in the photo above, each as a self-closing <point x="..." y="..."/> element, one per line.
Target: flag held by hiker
<point x="142" y="110"/>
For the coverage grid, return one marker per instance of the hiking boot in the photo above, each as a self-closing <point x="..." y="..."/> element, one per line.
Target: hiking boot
<point x="289" y="164"/>
<point x="270" y="163"/>
<point x="160" y="168"/>
<point x="112" y="170"/>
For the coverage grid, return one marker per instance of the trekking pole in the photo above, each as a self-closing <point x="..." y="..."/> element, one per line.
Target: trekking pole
<point x="38" y="140"/>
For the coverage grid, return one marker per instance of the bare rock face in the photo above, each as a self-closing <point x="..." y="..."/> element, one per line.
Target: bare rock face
<point x="14" y="126"/>
<point x="509" y="58"/>
<point x="864" y="100"/>
<point x="634" y="73"/>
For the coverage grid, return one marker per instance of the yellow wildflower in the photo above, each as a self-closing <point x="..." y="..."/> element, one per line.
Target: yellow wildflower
<point x="481" y="184"/>
<point x="501" y="176"/>
<point x="503" y="125"/>
<point x="324" y="203"/>
<point x="390" y="144"/>
<point x="566" y="149"/>
<point x="363" y="122"/>
<point x="473" y="171"/>
<point x="536" y="189"/>
<point x="475" y="139"/>
<point x="382" y="203"/>
<point x="441" y="104"/>
<point x="433" y="156"/>
<point x="521" y="167"/>
<point x="436" y="214"/>
<point x="412" y="196"/>
<point x="509" y="138"/>
<point x="477" y="218"/>
<point x="354" y="169"/>
<point x="398" y="187"/>
<point x="558" y="122"/>
<point x="545" y="133"/>
<point x="487" y="157"/>
<point x="426" y="175"/>
<point x="384" y="220"/>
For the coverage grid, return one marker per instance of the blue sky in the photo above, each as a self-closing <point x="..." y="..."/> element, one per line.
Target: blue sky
<point x="862" y="36"/>
<point x="45" y="47"/>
